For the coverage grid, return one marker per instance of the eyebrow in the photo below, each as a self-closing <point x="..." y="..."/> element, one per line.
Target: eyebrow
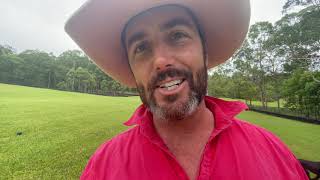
<point x="136" y="37"/>
<point x="168" y="25"/>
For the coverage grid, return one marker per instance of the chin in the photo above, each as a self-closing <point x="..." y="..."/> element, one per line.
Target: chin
<point x="175" y="108"/>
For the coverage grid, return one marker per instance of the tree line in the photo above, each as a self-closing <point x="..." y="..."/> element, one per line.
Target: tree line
<point x="279" y="61"/>
<point x="71" y="71"/>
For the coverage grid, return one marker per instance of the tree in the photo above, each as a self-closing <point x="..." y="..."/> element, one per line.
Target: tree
<point x="297" y="39"/>
<point x="254" y="60"/>
<point x="302" y="93"/>
<point x="38" y="68"/>
<point x="218" y="84"/>
<point x="85" y="81"/>
<point x="243" y="87"/>
<point x="9" y="65"/>
<point x="292" y="3"/>
<point x="72" y="70"/>
<point x="11" y="68"/>
<point x="6" y="50"/>
<point x="100" y="76"/>
<point x="68" y="60"/>
<point x="79" y="80"/>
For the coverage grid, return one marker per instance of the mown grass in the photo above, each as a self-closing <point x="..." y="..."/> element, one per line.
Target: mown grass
<point x="60" y="130"/>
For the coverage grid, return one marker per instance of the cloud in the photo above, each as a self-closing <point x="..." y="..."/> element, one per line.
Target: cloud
<point x="266" y="10"/>
<point x="36" y="24"/>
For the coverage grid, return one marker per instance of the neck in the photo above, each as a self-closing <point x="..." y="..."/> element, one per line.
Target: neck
<point x="200" y="122"/>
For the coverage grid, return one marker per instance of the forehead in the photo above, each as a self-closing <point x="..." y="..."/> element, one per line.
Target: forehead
<point x="156" y="18"/>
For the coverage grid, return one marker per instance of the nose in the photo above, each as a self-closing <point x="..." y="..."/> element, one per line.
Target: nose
<point x="163" y="58"/>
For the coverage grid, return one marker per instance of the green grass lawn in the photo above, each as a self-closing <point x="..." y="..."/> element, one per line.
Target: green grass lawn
<point x="60" y="130"/>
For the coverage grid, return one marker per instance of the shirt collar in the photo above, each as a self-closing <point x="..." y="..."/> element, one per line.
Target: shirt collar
<point x="223" y="112"/>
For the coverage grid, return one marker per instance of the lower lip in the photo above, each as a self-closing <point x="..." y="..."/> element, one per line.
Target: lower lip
<point x="165" y="92"/>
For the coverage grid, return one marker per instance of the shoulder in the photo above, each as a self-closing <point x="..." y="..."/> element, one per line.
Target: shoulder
<point x="258" y="136"/>
<point x="258" y="133"/>
<point x="250" y="128"/>
<point x="263" y="148"/>
<point x="119" y="141"/>
<point x="110" y="154"/>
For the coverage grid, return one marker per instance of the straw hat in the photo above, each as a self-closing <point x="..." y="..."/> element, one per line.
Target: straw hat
<point x="96" y="27"/>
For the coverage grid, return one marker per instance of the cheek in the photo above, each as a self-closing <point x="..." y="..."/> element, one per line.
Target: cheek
<point x="193" y="57"/>
<point x="141" y="76"/>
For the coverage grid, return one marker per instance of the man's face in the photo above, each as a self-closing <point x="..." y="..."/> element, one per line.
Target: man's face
<point x="166" y="57"/>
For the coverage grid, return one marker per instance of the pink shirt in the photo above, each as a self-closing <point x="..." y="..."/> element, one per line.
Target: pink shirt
<point x="236" y="150"/>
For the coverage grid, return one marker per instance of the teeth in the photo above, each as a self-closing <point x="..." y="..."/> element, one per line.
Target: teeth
<point x="171" y="84"/>
<point x="172" y="87"/>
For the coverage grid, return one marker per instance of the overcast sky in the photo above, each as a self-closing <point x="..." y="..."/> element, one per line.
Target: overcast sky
<point x="38" y="24"/>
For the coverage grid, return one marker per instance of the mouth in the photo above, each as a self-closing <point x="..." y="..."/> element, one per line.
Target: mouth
<point x="171" y="85"/>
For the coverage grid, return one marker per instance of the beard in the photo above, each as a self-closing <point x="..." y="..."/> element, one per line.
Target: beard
<point x="174" y="109"/>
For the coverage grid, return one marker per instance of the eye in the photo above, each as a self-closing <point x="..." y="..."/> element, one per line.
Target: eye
<point x="140" y="48"/>
<point x="177" y="36"/>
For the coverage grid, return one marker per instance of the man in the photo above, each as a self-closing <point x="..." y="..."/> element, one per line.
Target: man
<point x="164" y="48"/>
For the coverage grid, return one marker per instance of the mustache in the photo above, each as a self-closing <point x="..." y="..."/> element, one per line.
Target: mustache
<point x="172" y="72"/>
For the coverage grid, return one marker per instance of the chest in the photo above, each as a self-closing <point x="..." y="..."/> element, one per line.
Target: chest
<point x="189" y="156"/>
<point x="225" y="159"/>
<point x="158" y="165"/>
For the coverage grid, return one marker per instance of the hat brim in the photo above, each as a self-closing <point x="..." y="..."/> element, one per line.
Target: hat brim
<point x="96" y="27"/>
